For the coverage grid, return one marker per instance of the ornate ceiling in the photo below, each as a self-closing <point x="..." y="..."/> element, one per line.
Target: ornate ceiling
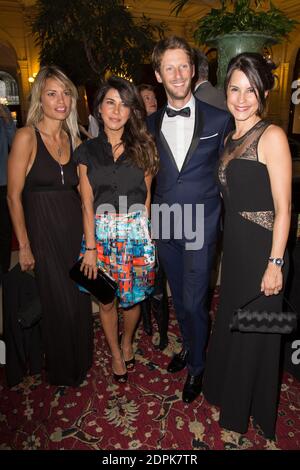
<point x="160" y="9"/>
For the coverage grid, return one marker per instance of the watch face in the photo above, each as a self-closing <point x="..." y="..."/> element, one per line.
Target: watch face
<point x="277" y="261"/>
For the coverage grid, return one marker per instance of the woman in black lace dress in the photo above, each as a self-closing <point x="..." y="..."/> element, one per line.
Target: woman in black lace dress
<point x="242" y="372"/>
<point x="46" y="213"/>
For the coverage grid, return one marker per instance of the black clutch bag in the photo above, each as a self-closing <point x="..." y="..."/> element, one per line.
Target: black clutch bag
<point x="104" y="287"/>
<point x="253" y="321"/>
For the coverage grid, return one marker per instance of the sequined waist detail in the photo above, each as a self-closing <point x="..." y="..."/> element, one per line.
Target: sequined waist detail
<point x="263" y="218"/>
<point x="222" y="173"/>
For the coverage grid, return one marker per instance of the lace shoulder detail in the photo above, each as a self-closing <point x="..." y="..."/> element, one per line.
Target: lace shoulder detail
<point x="243" y="148"/>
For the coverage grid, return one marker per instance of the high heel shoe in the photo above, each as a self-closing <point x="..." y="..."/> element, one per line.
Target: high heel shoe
<point x="120" y="378"/>
<point x="130" y="363"/>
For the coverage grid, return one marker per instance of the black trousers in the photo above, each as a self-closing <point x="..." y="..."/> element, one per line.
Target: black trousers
<point x="188" y="273"/>
<point x="5" y="233"/>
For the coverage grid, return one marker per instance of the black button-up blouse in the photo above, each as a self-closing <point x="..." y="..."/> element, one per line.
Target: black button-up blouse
<point x="110" y="179"/>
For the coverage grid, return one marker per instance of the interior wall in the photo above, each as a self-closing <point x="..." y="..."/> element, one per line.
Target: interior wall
<point x="15" y="32"/>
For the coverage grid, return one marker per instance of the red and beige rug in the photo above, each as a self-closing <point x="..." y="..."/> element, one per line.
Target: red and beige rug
<point x="146" y="413"/>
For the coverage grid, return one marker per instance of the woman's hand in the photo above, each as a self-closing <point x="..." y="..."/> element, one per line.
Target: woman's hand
<point x="89" y="264"/>
<point x="26" y="259"/>
<point x="272" y="280"/>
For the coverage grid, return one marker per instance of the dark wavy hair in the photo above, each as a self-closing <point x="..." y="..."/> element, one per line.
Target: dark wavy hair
<point x="138" y="143"/>
<point x="259" y="72"/>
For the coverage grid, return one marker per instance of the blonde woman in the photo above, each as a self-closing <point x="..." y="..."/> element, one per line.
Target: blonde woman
<point x="46" y="213"/>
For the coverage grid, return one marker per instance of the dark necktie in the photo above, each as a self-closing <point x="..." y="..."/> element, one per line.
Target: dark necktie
<point x="185" y="112"/>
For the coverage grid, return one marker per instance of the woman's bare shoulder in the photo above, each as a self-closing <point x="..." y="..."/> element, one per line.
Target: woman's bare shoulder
<point x="24" y="145"/>
<point x="26" y="132"/>
<point x="274" y="132"/>
<point x="25" y="135"/>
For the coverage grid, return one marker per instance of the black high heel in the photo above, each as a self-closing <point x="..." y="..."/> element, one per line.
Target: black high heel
<point x="130" y="363"/>
<point x="120" y="378"/>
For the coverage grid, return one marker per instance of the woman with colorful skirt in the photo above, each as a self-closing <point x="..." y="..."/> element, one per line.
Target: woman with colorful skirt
<point x="116" y="170"/>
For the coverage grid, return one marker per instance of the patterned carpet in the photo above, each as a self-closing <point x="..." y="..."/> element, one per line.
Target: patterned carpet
<point x="146" y="413"/>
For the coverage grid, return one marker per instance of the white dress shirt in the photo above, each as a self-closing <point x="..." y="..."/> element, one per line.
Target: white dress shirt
<point x="178" y="132"/>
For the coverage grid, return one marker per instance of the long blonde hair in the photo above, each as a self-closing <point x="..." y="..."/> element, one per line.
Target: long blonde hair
<point x="35" y="113"/>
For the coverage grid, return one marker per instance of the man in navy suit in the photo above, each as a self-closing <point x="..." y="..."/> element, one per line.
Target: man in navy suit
<point x="189" y="136"/>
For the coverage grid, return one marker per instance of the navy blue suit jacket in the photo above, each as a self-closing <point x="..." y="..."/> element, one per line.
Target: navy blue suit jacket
<point x="195" y="183"/>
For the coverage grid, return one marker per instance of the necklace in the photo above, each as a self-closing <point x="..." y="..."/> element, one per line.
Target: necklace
<point x="59" y="154"/>
<point x="115" y="150"/>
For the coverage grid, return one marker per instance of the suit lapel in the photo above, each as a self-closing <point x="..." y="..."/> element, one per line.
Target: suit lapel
<point x="161" y="141"/>
<point x="199" y="123"/>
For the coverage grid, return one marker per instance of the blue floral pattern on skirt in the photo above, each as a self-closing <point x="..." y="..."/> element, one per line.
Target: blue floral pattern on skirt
<point x="125" y="249"/>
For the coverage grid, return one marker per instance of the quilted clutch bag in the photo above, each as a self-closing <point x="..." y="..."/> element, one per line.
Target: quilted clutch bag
<point x="253" y="321"/>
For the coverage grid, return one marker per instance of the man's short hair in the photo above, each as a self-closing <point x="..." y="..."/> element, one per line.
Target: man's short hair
<point x="201" y="63"/>
<point x="172" y="42"/>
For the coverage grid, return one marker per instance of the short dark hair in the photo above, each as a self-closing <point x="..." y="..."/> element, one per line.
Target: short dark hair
<point x="145" y="86"/>
<point x="201" y="63"/>
<point x="259" y="72"/>
<point x="172" y="42"/>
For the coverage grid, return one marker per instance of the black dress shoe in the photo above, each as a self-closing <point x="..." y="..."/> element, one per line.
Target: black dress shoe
<point x="178" y="362"/>
<point x="192" y="388"/>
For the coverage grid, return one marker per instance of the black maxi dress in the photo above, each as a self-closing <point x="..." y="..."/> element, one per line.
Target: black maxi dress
<point x="242" y="369"/>
<point x="54" y="224"/>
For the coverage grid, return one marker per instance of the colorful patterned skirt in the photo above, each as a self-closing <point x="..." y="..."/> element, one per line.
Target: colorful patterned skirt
<point x="125" y="249"/>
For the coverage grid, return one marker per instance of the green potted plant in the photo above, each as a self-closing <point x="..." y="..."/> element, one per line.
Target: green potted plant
<point x="239" y="26"/>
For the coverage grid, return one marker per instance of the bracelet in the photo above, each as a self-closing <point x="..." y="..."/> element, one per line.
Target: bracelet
<point x="91" y="249"/>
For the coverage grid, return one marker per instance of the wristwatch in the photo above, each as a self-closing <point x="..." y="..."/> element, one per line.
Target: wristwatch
<point x="278" y="261"/>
